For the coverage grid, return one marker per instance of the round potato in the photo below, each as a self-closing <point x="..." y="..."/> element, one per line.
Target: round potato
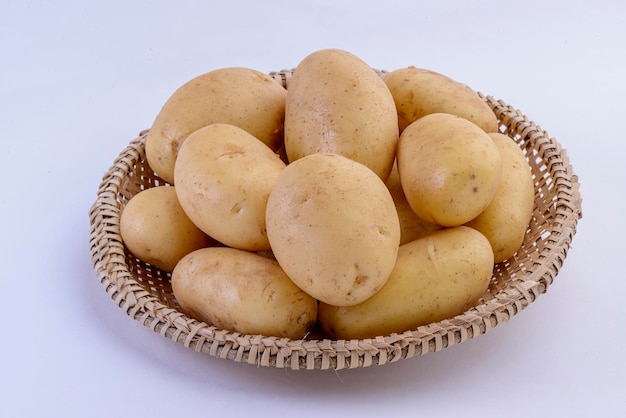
<point x="506" y="219"/>
<point x="224" y="177"/>
<point x="337" y="103"/>
<point x="244" y="292"/>
<point x="156" y="230"/>
<point x="333" y="228"/>
<point x="411" y="225"/>
<point x="435" y="277"/>
<point x="418" y="92"/>
<point x="237" y="96"/>
<point x="449" y="168"/>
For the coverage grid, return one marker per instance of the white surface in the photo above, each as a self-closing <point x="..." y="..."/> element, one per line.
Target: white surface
<point x="79" y="80"/>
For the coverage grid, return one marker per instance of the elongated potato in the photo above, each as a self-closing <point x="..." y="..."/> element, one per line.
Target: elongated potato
<point x="333" y="228"/>
<point x="418" y="92"/>
<point x="244" y="292"/>
<point x="506" y="219"/>
<point x="224" y="177"/>
<point x="449" y="168"/>
<point x="243" y="97"/>
<point x="435" y="277"/>
<point x="337" y="103"/>
<point x="156" y="230"/>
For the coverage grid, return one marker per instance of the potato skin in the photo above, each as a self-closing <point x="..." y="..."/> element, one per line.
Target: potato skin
<point x="224" y="177"/>
<point x="237" y="96"/>
<point x="505" y="220"/>
<point x="411" y="225"/>
<point x="333" y="228"/>
<point x="419" y="92"/>
<point x="156" y="230"/>
<point x="337" y="103"/>
<point x="243" y="292"/>
<point x="435" y="277"/>
<point x="449" y="168"/>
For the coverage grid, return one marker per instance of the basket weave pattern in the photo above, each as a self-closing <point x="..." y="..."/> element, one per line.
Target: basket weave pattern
<point x="145" y="294"/>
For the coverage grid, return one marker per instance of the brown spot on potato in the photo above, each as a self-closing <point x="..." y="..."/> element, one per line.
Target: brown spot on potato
<point x="236" y="209"/>
<point x="360" y="280"/>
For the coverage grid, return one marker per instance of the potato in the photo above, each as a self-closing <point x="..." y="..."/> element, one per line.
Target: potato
<point x="224" y="176"/>
<point x="506" y="219"/>
<point x="237" y="96"/>
<point x="156" y="230"/>
<point x="411" y="225"/>
<point x="449" y="168"/>
<point x="333" y="228"/>
<point x="337" y="103"/>
<point x="241" y="291"/>
<point x="418" y="92"/>
<point x="435" y="277"/>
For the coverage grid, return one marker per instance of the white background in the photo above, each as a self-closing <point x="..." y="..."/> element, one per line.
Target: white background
<point x="79" y="80"/>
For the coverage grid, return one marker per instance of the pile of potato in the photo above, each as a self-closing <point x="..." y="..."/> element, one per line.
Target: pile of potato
<point x="362" y="203"/>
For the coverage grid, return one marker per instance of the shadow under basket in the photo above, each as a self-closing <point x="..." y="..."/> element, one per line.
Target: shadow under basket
<point x="144" y="292"/>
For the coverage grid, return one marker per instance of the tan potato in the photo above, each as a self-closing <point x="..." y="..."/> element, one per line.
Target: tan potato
<point x="411" y="225"/>
<point x="237" y="96"/>
<point x="435" y="277"/>
<point x="337" y="103"/>
<point x="449" y="168"/>
<point x="244" y="292"/>
<point x="506" y="219"/>
<point x="156" y="230"/>
<point x="224" y="177"/>
<point x="418" y="92"/>
<point x="333" y="228"/>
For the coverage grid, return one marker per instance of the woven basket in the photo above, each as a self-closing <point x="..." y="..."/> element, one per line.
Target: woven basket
<point x="145" y="294"/>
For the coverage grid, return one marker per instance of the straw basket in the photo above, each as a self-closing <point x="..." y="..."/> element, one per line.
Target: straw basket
<point x="145" y="294"/>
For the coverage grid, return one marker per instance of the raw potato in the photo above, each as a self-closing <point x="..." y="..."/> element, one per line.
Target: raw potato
<point x="156" y="230"/>
<point x="411" y="225"/>
<point x="418" y="92"/>
<point x="237" y="96"/>
<point x="224" y="177"/>
<point x="337" y="103"/>
<point x="333" y="228"/>
<point x="449" y="168"/>
<point x="244" y="292"/>
<point x="506" y="219"/>
<point x="435" y="277"/>
<point x="371" y="203"/>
